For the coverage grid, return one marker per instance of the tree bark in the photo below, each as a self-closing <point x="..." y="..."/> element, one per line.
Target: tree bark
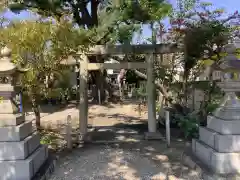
<point x="36" y="111"/>
<point x="100" y="81"/>
<point x="38" y="118"/>
<point x="159" y="86"/>
<point x="89" y="18"/>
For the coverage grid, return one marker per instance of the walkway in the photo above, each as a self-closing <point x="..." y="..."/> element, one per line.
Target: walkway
<point x="140" y="161"/>
<point x="135" y="159"/>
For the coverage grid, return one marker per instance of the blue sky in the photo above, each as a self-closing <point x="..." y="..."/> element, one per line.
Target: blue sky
<point x="229" y="5"/>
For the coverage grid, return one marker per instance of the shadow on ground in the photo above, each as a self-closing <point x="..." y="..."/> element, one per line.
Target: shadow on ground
<point x="50" y="109"/>
<point x="139" y="160"/>
<point x="131" y="158"/>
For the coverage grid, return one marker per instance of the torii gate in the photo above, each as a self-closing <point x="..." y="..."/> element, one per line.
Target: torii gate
<point x="150" y="52"/>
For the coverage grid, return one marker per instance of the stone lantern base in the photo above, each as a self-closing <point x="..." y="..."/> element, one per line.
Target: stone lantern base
<point x="21" y="154"/>
<point x="218" y="146"/>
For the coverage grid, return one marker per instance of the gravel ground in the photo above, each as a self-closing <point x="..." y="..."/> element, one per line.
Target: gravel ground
<point x="130" y="162"/>
<point x="139" y="160"/>
<point x="106" y="164"/>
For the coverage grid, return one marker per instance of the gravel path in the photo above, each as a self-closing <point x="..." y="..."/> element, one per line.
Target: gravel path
<point x="142" y="160"/>
<point x="103" y="162"/>
<point x="106" y="163"/>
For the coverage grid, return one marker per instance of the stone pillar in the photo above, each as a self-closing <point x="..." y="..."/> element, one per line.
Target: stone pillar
<point x="21" y="154"/>
<point x="83" y="105"/>
<point x="152" y="124"/>
<point x="150" y="95"/>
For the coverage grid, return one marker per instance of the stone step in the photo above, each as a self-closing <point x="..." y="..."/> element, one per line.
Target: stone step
<point x="11" y="120"/>
<point x="6" y="106"/>
<point x="23" y="169"/>
<point x="223" y="126"/>
<point x="16" y="133"/>
<point x="207" y="136"/>
<point x="153" y="136"/>
<point x="19" y="150"/>
<point x="204" y="172"/>
<point x="219" y="142"/>
<point x="221" y="163"/>
<point x="228" y="114"/>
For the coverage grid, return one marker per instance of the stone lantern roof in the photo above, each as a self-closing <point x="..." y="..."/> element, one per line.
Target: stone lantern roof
<point x="6" y="66"/>
<point x="69" y="61"/>
<point x="231" y="62"/>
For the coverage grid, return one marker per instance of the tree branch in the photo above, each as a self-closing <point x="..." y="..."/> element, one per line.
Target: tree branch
<point x="159" y="86"/>
<point x="144" y="76"/>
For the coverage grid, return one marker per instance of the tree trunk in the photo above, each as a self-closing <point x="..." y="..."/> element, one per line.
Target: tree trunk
<point x="38" y="118"/>
<point x="36" y="111"/>
<point x="185" y="92"/>
<point x="212" y="86"/>
<point x="99" y="83"/>
<point x="99" y="79"/>
<point x="159" y="86"/>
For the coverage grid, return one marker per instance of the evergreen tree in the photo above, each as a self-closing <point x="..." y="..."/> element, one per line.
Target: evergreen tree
<point x="104" y="21"/>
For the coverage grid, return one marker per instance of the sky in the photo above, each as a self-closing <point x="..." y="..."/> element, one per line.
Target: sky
<point x="229" y="5"/>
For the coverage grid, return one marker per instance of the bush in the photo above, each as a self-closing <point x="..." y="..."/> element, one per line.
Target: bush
<point x="189" y="122"/>
<point x="189" y="125"/>
<point x="182" y="118"/>
<point x="211" y="107"/>
<point x="176" y="112"/>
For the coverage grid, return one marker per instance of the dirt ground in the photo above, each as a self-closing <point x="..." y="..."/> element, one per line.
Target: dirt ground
<point x="104" y="115"/>
<point x="145" y="160"/>
<point x="130" y="159"/>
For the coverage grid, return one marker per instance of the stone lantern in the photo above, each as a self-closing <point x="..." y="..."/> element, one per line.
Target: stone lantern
<point x="218" y="146"/>
<point x="7" y="69"/>
<point x="21" y="154"/>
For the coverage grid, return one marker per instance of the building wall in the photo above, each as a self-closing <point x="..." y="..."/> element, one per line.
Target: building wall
<point x="198" y="95"/>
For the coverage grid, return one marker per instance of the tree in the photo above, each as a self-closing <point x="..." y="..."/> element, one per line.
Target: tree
<point x="39" y="47"/>
<point x="108" y="21"/>
<point x="202" y="33"/>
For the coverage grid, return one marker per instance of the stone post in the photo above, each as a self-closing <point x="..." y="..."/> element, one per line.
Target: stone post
<point x="152" y="123"/>
<point x="83" y="93"/>
<point x="21" y="154"/>
<point x="69" y="132"/>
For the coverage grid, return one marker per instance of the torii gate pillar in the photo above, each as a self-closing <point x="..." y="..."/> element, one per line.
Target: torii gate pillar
<point x="151" y="103"/>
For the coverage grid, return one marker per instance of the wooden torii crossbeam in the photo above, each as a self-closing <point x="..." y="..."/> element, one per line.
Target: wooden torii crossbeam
<point x="150" y="52"/>
<point x="127" y="49"/>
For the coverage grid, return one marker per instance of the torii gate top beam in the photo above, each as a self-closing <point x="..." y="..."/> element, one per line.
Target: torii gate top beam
<point x="131" y="49"/>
